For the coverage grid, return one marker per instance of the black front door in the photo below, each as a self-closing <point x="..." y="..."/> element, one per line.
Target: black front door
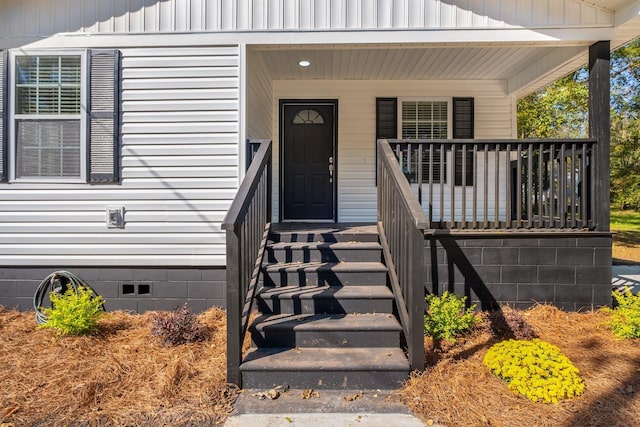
<point x="308" y="154"/>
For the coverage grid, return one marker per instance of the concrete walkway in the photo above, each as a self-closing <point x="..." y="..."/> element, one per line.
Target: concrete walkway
<point x="626" y="275"/>
<point x="327" y="408"/>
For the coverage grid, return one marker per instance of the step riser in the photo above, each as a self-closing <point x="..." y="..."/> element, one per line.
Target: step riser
<point x="277" y="305"/>
<point x="311" y="237"/>
<point x="327" y="380"/>
<point x="320" y="278"/>
<point x="323" y="255"/>
<point x="346" y="339"/>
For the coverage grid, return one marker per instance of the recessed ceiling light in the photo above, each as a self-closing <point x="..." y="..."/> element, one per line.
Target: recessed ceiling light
<point x="304" y="63"/>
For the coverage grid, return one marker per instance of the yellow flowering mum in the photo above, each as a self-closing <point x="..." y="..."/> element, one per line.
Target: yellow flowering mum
<point x="535" y="369"/>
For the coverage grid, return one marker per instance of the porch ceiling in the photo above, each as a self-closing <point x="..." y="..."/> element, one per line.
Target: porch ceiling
<point x="407" y="62"/>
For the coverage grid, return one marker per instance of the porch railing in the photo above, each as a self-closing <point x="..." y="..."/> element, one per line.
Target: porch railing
<point x="401" y="224"/>
<point x="502" y="184"/>
<point x="247" y="225"/>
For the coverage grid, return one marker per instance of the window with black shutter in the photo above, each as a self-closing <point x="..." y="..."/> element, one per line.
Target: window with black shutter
<point x="62" y="122"/>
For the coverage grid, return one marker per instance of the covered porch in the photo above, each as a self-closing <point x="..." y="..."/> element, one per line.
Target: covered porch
<point x="457" y="202"/>
<point x="472" y="91"/>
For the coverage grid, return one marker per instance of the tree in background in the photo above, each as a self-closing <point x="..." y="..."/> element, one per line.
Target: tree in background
<point x="556" y="111"/>
<point x="625" y="126"/>
<point x="560" y="110"/>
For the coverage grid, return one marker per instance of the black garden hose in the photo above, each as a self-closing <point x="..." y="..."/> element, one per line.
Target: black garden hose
<point x="58" y="282"/>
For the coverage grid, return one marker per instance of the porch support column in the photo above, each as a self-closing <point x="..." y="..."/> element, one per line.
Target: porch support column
<point x="600" y="128"/>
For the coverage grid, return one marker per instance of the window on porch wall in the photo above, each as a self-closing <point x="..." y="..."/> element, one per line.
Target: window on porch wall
<point x="429" y="120"/>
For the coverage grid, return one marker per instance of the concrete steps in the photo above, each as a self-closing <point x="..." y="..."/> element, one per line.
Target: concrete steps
<point x="327" y="317"/>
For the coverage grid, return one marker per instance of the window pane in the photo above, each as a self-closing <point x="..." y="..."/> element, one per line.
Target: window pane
<point x="426" y="120"/>
<point x="48" y="85"/>
<point x="48" y="148"/>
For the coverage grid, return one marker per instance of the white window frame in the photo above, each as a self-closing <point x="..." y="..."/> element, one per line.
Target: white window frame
<point x="449" y="101"/>
<point x="12" y="152"/>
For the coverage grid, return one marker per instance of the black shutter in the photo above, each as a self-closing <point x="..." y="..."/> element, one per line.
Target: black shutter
<point x="386" y="118"/>
<point x="4" y="111"/>
<point x="463" y="124"/>
<point x="103" y="154"/>
<point x="386" y="121"/>
<point x="462" y="118"/>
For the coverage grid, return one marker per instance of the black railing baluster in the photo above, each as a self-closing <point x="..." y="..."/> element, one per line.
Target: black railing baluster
<point x="419" y="161"/>
<point x="562" y="186"/>
<point x="574" y="185"/>
<point x="553" y="179"/>
<point x="584" y="215"/>
<point x="507" y="169"/>
<point x="452" y="188"/>
<point x="475" y="187"/>
<point x="541" y="175"/>
<point x="463" y="188"/>
<point x="518" y="198"/>
<point x="496" y="175"/>
<point x="443" y="179"/>
<point x="486" y="187"/>
<point x="530" y="194"/>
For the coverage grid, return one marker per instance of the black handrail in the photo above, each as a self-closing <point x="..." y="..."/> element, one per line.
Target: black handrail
<point x="247" y="225"/>
<point x="401" y="224"/>
<point x="502" y="184"/>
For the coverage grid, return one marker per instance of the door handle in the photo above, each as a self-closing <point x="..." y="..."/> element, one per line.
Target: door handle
<point x="330" y="169"/>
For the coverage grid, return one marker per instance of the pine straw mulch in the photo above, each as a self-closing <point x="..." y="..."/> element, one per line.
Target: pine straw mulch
<point x="121" y="376"/>
<point x="458" y="390"/>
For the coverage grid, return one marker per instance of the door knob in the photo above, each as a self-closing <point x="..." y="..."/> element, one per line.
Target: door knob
<point x="330" y="169"/>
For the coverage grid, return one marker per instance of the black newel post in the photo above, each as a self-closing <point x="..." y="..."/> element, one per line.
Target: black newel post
<point x="600" y="128"/>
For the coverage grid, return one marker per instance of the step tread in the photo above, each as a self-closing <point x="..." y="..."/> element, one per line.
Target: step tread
<point x="327" y="322"/>
<point x="323" y="228"/>
<point x="326" y="266"/>
<point x="306" y="232"/>
<point x="326" y="359"/>
<point x="323" y="291"/>
<point x="355" y="245"/>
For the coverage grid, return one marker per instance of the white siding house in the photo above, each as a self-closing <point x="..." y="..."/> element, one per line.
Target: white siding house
<point x="197" y="78"/>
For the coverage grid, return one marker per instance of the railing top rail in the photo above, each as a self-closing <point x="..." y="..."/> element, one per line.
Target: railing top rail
<point x="413" y="207"/>
<point x="493" y="141"/>
<point x="248" y="186"/>
<point x="257" y="141"/>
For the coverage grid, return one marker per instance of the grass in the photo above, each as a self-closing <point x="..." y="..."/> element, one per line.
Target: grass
<point x="626" y="241"/>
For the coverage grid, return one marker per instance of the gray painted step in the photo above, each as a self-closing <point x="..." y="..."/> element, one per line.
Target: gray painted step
<point x="325" y="368"/>
<point x="325" y="299"/>
<point x="326" y="330"/>
<point x="325" y="273"/>
<point x="324" y="252"/>
<point x="328" y="233"/>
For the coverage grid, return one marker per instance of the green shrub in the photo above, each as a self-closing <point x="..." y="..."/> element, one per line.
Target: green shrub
<point x="177" y="327"/>
<point x="74" y="312"/>
<point x="446" y="317"/>
<point x="625" y="318"/>
<point x="535" y="369"/>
